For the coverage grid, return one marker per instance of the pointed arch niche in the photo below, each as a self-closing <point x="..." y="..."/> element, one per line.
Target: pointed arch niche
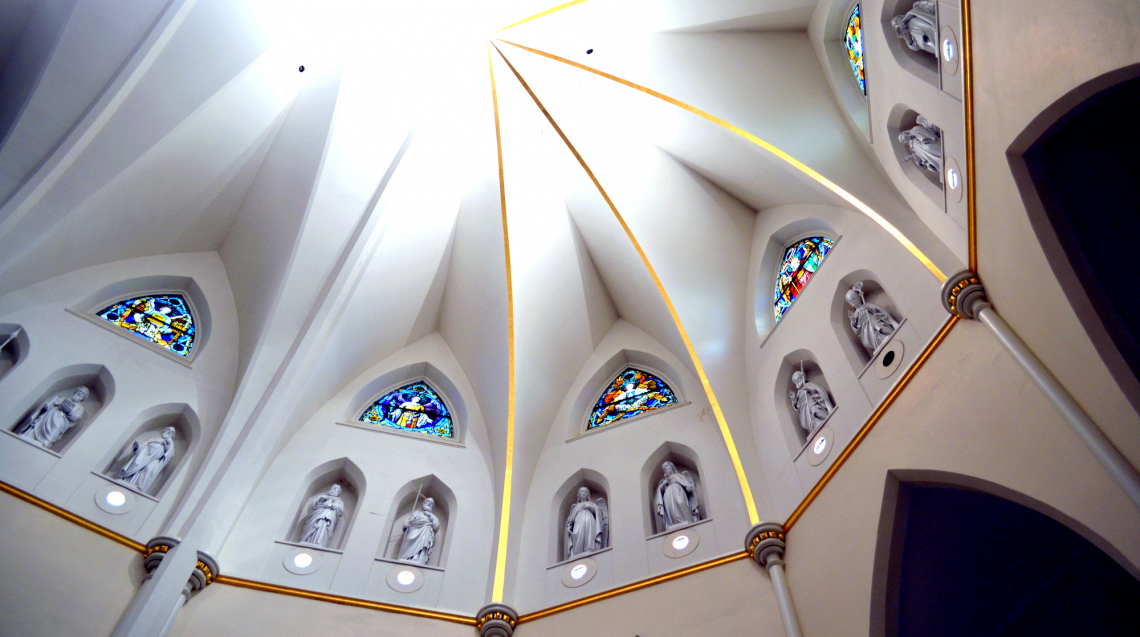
<point x="63" y="382"/>
<point x="770" y="265"/>
<point x="14" y="346"/>
<point x="126" y="302"/>
<point x="796" y="436"/>
<point x="357" y="410"/>
<point x="903" y="118"/>
<point x="148" y="425"/>
<point x="407" y="501"/>
<point x="684" y="459"/>
<point x="343" y="472"/>
<point x="564" y="499"/>
<point x="602" y="379"/>
<point x="873" y="292"/>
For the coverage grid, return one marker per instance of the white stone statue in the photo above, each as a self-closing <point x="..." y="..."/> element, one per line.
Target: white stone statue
<point x="676" y="500"/>
<point x="325" y="511"/>
<point x="48" y="423"/>
<point x="810" y="401"/>
<point x="924" y="143"/>
<point x="871" y="323"/>
<point x="919" y="27"/>
<point x="419" y="534"/>
<point x="147" y="461"/>
<point x="587" y="526"/>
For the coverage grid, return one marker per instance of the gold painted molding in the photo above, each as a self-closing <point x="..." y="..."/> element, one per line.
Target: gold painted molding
<point x="340" y="599"/>
<point x="968" y="89"/>
<point x="71" y="517"/>
<point x="745" y="489"/>
<point x="542" y="14"/>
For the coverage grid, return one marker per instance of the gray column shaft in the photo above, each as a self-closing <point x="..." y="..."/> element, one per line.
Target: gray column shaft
<point x="784" y="599"/>
<point x="1102" y="448"/>
<point x="152" y="610"/>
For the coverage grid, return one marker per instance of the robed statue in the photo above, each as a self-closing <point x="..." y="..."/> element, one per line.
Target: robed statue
<point x="419" y="534"/>
<point x="923" y="143"/>
<point x="871" y="323"/>
<point x="46" y="425"/>
<point x="810" y="401"/>
<point x="919" y="27"/>
<point x="325" y="511"/>
<point x="147" y="461"/>
<point x="676" y="500"/>
<point x="587" y="526"/>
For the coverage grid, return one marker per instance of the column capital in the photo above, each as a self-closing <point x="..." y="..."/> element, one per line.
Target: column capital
<point x="205" y="570"/>
<point x="496" y="620"/>
<point x="765" y="543"/>
<point x="963" y="295"/>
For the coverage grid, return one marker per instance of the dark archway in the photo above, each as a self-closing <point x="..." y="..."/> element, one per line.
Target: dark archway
<point x="965" y="562"/>
<point x="1077" y="167"/>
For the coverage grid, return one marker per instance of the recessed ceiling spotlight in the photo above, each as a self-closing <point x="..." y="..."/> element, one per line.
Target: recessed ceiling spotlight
<point x="579" y="571"/>
<point x="116" y="498"/>
<point x="680" y="542"/>
<point x="952" y="179"/>
<point x="302" y="560"/>
<point x="948" y="50"/>
<point x="301" y="69"/>
<point x="589" y="51"/>
<point x="405" y="578"/>
<point x="820" y="445"/>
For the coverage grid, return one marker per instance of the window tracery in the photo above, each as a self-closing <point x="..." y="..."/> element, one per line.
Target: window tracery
<point x="853" y="44"/>
<point x="801" y="260"/>
<point x="631" y="393"/>
<point x="414" y="407"/>
<point x="162" y="319"/>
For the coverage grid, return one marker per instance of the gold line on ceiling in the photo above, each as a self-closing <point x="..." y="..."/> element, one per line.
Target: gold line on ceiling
<point x="542" y="14"/>
<point x="746" y="490"/>
<point x="802" y="167"/>
<point x="508" y="474"/>
<point x="968" y="88"/>
<point x="71" y="517"/>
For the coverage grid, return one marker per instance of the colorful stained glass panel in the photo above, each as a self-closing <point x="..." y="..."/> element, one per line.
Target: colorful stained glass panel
<point x="801" y="260"/>
<point x="853" y="44"/>
<point x="633" y="392"/>
<point x="415" y="407"/>
<point x="163" y="319"/>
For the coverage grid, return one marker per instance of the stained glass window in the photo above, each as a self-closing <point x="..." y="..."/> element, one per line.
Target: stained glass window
<point x="415" y="407"/>
<point x="633" y="392"/>
<point x="801" y="260"/>
<point x="163" y="319"/>
<point x="853" y="43"/>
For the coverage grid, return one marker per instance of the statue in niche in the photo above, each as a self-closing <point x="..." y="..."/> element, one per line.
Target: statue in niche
<point x="919" y="27"/>
<point x="48" y="423"/>
<point x="419" y="534"/>
<point x="587" y="526"/>
<point x="810" y="402"/>
<point x="924" y="144"/>
<point x="147" y="461"/>
<point x="325" y="511"/>
<point x="676" y="500"/>
<point x="871" y="323"/>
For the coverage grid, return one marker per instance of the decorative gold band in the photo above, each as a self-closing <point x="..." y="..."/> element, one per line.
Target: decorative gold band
<point x="71" y="517"/>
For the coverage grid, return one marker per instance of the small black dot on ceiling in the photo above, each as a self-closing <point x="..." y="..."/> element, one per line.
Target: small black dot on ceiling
<point x="589" y="51"/>
<point x="301" y="68"/>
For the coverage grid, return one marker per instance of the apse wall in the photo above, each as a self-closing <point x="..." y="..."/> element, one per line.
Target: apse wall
<point x="621" y="457"/>
<point x="137" y="389"/>
<point x="380" y="470"/>
<point x="816" y="330"/>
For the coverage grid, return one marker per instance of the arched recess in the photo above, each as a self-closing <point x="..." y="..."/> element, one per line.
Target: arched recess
<point x="63" y="382"/>
<point x="14" y="346"/>
<point x="342" y="472"/>
<point x="409" y="498"/>
<point x="684" y="459"/>
<point x="1075" y="169"/>
<point x="903" y="118"/>
<point x="149" y="425"/>
<point x="564" y="499"/>
<point x="873" y="292"/>
<point x="770" y="261"/>
<point x="851" y="96"/>
<point x="789" y="418"/>
<point x="921" y="64"/>
<point x="588" y="396"/>
<point x="1031" y="570"/>
<point x="183" y="286"/>
<point x="396" y="378"/>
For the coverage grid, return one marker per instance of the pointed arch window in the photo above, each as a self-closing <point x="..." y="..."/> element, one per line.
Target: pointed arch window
<point x="631" y="393"/>
<point x="415" y="407"/>
<point x="162" y="319"/>
<point x="853" y="44"/>
<point x="801" y="260"/>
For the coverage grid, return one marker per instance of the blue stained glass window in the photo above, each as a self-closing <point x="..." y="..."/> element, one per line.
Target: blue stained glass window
<point x="801" y="260"/>
<point x="415" y="407"/>
<point x="633" y="392"/>
<point x="162" y="319"/>
<point x="853" y="44"/>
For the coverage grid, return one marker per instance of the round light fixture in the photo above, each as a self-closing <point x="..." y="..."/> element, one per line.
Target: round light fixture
<point x="116" y="498"/>
<point x="820" y="445"/>
<point x="579" y="571"/>
<point x="948" y="50"/>
<point x="302" y="560"/>
<point x="405" y="578"/>
<point x="680" y="542"/>
<point x="953" y="179"/>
